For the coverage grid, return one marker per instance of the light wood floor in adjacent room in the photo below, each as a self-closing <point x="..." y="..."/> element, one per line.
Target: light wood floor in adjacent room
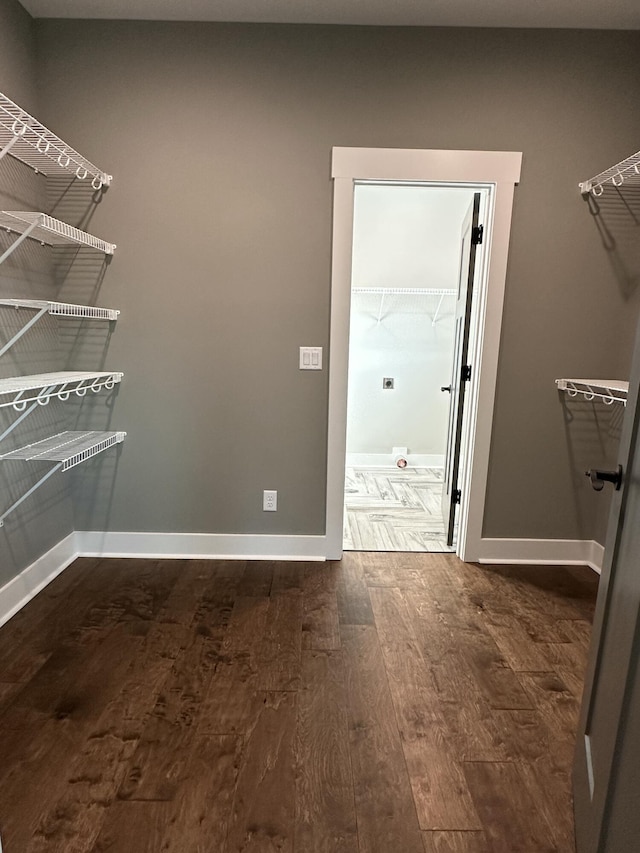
<point x="393" y="509"/>
<point x="383" y="704"/>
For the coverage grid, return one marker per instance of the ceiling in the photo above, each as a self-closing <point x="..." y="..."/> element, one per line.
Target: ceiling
<point x="575" y="14"/>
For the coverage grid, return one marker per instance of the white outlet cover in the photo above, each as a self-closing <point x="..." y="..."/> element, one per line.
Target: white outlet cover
<point x="270" y="500"/>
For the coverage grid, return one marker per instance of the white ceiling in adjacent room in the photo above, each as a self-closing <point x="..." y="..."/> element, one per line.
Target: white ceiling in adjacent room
<point x="575" y="14"/>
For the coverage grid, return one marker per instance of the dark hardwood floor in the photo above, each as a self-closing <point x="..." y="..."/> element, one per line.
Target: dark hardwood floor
<point x="390" y="703"/>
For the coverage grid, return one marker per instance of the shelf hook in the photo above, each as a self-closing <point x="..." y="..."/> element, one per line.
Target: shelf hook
<point x="18" y="124"/>
<point x="617" y="180"/>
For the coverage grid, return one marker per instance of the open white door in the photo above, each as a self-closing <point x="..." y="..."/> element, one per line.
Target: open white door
<point x="461" y="370"/>
<point x="607" y="760"/>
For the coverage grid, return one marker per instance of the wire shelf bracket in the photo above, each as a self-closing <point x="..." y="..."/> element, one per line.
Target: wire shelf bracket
<point x="609" y="391"/>
<point x="66" y="449"/>
<point x="627" y="170"/>
<point x="22" y="136"/>
<point x="57" y="309"/>
<point x="47" y="231"/>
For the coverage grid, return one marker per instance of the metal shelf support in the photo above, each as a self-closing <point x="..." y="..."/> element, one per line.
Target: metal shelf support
<point x="23" y="330"/>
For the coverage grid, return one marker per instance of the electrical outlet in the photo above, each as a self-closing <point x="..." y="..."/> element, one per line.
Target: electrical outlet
<point x="269" y="500"/>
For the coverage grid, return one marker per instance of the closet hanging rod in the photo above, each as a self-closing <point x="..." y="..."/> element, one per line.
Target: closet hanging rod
<point x="627" y="170"/>
<point x="608" y="390"/>
<point x="17" y="391"/>
<point x="22" y="136"/>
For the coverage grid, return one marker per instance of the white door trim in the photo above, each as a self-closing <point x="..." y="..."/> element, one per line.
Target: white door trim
<point x="495" y="171"/>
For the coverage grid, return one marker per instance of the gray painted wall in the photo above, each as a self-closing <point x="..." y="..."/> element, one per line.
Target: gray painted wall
<point x="219" y="137"/>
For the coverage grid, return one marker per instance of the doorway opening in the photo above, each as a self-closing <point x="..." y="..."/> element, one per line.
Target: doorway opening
<point x="492" y="175"/>
<point x="409" y="272"/>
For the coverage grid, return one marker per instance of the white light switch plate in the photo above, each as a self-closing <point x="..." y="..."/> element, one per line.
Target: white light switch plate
<point x="310" y="358"/>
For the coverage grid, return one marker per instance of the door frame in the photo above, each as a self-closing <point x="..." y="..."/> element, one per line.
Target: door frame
<point x="495" y="172"/>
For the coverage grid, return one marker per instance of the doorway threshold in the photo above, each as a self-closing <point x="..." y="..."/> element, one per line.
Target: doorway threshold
<point x="394" y="509"/>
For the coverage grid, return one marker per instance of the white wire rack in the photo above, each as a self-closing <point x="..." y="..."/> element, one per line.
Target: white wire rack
<point x="406" y="291"/>
<point x="26" y="393"/>
<point x="607" y="390"/>
<point x="383" y="292"/>
<point x="57" y="309"/>
<point x="69" y="448"/>
<point x="40" y="388"/>
<point x="627" y="171"/>
<point x="66" y="449"/>
<point x="63" y="309"/>
<point x="48" y="231"/>
<point x="22" y="136"/>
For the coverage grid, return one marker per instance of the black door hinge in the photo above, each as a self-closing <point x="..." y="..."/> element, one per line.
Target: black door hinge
<point x="457" y="496"/>
<point x="476" y="235"/>
<point x="465" y="373"/>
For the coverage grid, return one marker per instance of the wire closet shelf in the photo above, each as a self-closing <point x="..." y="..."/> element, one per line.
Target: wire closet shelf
<point x="22" y="136"/>
<point x="69" y="448"/>
<point x="63" y="309"/>
<point x="625" y="172"/>
<point x="17" y="391"/>
<point x="47" y="231"/>
<point x="66" y="449"/>
<point x="383" y="293"/>
<point x="56" y="309"/>
<point x="609" y="391"/>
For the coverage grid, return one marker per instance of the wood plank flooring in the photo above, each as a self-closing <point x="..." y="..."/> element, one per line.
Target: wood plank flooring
<point x="384" y="703"/>
<point x="393" y="509"/>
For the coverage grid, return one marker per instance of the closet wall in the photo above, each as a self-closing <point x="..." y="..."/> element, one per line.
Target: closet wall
<point x="220" y="139"/>
<point x="42" y="523"/>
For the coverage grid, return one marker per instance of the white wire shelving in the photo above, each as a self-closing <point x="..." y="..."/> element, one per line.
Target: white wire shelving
<point x="25" y="393"/>
<point x="609" y="391"/>
<point x="625" y="172"/>
<point x="66" y="449"/>
<point x="383" y="292"/>
<point x="56" y="309"/>
<point x="47" y="231"/>
<point x="24" y="138"/>
<point x="22" y="389"/>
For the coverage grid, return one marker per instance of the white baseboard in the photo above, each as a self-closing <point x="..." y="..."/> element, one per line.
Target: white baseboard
<point x="544" y="552"/>
<point x="386" y="460"/>
<point x="210" y="546"/>
<point x="21" y="589"/>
